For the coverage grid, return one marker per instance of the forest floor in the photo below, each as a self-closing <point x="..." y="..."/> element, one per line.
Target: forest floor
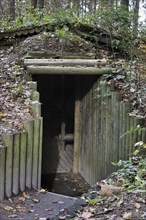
<point x="15" y="106"/>
<point x="99" y="202"/>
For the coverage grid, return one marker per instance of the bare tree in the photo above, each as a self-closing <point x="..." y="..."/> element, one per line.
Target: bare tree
<point x="135" y="16"/>
<point x="12" y="9"/>
<point x="125" y="3"/>
<point x="34" y="3"/>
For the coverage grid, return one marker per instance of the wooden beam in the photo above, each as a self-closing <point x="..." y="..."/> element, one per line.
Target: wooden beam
<point x="58" y="54"/>
<point x="61" y="62"/>
<point x="68" y="70"/>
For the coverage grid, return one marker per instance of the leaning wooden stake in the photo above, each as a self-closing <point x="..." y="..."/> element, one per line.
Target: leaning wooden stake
<point x="68" y="70"/>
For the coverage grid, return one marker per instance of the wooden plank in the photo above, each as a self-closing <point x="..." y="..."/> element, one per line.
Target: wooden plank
<point x="94" y="132"/>
<point x="35" y="153"/>
<point x="8" y="140"/>
<point x="131" y="131"/>
<point x="127" y="125"/>
<point x="144" y="135"/>
<point x="16" y="164"/>
<point x="68" y="70"/>
<point x="98" y="124"/>
<point x="124" y="150"/>
<point x="121" y="131"/>
<point x="63" y="119"/>
<point x="23" y="144"/>
<point x="108" y="108"/>
<point x="29" y="127"/>
<point x="77" y="120"/>
<point x="2" y="172"/>
<point x="102" y="127"/>
<point x="40" y="153"/>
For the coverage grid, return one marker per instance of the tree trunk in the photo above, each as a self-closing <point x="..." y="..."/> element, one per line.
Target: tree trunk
<point x="41" y="4"/>
<point x="34" y="3"/>
<point x="125" y="4"/>
<point x="12" y="9"/>
<point x="135" y="17"/>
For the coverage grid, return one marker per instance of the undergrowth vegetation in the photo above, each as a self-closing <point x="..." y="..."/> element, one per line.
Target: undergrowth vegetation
<point x="116" y="23"/>
<point x="131" y="173"/>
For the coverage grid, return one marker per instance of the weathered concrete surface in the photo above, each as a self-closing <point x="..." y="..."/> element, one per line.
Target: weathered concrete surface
<point x="41" y="206"/>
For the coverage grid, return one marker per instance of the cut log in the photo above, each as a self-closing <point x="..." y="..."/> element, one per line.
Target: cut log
<point x="68" y="70"/>
<point x="58" y="54"/>
<point x="60" y="62"/>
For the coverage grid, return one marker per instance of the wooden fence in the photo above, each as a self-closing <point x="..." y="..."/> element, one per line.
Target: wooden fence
<point x="20" y="159"/>
<point x="108" y="133"/>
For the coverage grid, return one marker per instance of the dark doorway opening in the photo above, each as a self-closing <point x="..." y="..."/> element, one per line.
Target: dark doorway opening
<point x="58" y="96"/>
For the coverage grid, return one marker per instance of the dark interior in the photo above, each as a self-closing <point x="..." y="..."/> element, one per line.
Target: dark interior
<point x="57" y="95"/>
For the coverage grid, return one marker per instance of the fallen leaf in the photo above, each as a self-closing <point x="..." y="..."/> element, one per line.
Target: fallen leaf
<point x="35" y="200"/>
<point x="3" y="114"/>
<point x="42" y="191"/>
<point x="137" y="205"/>
<point x="113" y="217"/>
<point x="12" y="216"/>
<point x="127" y="215"/>
<point x="86" y="215"/>
<point x="49" y="209"/>
<point x="27" y="196"/>
<point x="108" y="190"/>
<point x="8" y="208"/>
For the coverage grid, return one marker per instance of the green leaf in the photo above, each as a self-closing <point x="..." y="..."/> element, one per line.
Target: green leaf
<point x="114" y="164"/>
<point x="93" y="201"/>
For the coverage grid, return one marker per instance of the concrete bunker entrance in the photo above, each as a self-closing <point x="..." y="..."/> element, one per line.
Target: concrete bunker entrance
<point x="59" y="95"/>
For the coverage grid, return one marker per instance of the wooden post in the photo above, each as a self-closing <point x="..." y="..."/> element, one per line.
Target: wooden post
<point x="23" y="145"/>
<point x="36" y="109"/>
<point x="8" y="140"/>
<point x="77" y="117"/>
<point x="35" y="153"/>
<point x="2" y="172"/>
<point x="35" y="96"/>
<point x="29" y="126"/>
<point x="16" y="163"/>
<point x="144" y="135"/>
<point x="63" y="124"/>
<point x="40" y="153"/>
<point x="32" y="85"/>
